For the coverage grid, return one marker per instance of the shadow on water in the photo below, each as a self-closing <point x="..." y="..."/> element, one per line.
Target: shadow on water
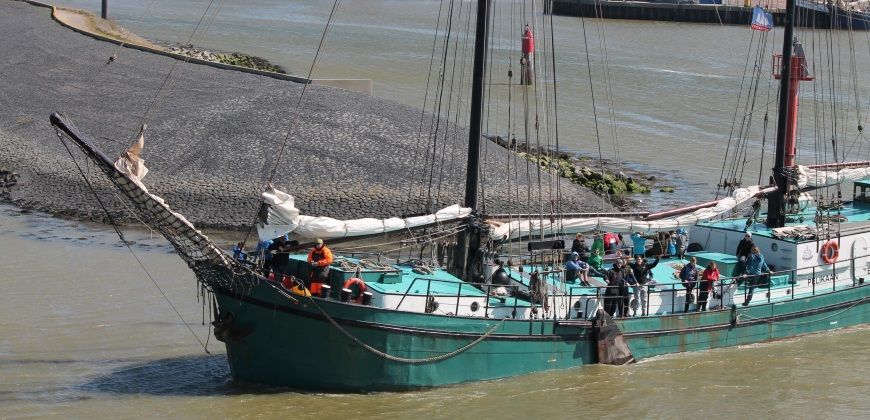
<point x="185" y="375"/>
<point x="193" y="375"/>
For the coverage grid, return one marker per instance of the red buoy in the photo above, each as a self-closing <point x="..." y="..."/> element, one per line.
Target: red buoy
<point x="528" y="40"/>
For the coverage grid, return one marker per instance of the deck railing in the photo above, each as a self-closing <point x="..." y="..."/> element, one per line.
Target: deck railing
<point x="724" y="285"/>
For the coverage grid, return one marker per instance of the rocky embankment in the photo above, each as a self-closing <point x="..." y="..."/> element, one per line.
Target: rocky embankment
<point x="234" y="58"/>
<point x="600" y="176"/>
<point x="214" y="137"/>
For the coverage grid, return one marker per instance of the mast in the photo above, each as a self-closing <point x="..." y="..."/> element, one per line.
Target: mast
<point x="776" y="201"/>
<point x="468" y="250"/>
<point x="481" y="41"/>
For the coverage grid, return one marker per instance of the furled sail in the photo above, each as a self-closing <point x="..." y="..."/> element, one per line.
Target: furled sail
<point x="130" y="162"/>
<point x="813" y="178"/>
<point x="522" y="228"/>
<point x="282" y="217"/>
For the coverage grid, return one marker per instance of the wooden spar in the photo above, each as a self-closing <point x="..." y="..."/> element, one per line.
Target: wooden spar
<point x="843" y="165"/>
<point x="502" y="216"/>
<point x="687" y="209"/>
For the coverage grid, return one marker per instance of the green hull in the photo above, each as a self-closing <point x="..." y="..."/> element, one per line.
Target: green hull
<point x="660" y="335"/>
<point x="294" y="344"/>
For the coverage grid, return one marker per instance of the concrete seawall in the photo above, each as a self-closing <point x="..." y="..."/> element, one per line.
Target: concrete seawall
<point x="214" y="134"/>
<point x="697" y="13"/>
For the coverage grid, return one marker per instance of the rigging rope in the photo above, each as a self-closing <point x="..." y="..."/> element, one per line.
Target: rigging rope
<point x="329" y="24"/>
<point x="126" y="243"/>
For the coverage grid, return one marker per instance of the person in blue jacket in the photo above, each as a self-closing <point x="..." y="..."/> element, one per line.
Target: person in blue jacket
<point x="575" y="268"/>
<point x="639" y="244"/>
<point x="756" y="269"/>
<point x="672" y="244"/>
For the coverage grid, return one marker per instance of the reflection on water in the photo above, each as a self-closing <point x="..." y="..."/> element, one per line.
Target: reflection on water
<point x="85" y="334"/>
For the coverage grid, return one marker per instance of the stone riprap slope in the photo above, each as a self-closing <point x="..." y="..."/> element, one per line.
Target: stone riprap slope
<point x="214" y="135"/>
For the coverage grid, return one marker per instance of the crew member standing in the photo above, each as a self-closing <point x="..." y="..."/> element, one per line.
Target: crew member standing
<point x="689" y="277"/>
<point x="319" y="258"/>
<point x="744" y="250"/>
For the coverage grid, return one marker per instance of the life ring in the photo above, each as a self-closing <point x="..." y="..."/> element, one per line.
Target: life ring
<point x="361" y="288"/>
<point x="830" y="252"/>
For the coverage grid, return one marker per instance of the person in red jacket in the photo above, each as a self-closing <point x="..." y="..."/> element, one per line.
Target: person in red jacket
<point x="708" y="277"/>
<point x="319" y="258"/>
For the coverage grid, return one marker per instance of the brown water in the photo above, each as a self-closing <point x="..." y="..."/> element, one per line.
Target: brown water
<point x="85" y="333"/>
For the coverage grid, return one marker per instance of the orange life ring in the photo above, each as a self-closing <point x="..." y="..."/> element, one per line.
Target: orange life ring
<point x="356" y="281"/>
<point x="830" y="252"/>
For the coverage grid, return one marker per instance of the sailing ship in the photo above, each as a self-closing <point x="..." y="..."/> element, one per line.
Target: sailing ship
<point x="418" y="325"/>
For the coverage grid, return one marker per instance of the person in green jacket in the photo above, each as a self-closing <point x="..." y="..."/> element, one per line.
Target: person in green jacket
<point x="595" y="263"/>
<point x="598" y="245"/>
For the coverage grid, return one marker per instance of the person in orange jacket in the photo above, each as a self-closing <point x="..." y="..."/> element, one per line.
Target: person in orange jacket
<point x="319" y="258"/>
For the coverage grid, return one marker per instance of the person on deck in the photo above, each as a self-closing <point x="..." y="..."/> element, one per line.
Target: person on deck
<point x="611" y="243"/>
<point x="682" y="240"/>
<point x="239" y="253"/>
<point x="579" y="246"/>
<point x="575" y="268"/>
<point x="612" y="295"/>
<point x="280" y="256"/>
<point x="689" y="277"/>
<point x="755" y="275"/>
<point x="643" y="274"/>
<point x="630" y="281"/>
<point x="708" y="278"/>
<point x="639" y="244"/>
<point x="598" y="244"/>
<point x="264" y="258"/>
<point x="319" y="258"/>
<point x="596" y="264"/>
<point x="744" y="250"/>
<point x="672" y="243"/>
<point x="659" y="246"/>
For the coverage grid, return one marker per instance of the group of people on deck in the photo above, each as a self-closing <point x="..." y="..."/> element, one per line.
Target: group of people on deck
<point x="627" y="282"/>
<point x="272" y="257"/>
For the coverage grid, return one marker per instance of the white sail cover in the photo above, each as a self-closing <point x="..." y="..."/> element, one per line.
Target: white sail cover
<point x="812" y="178"/>
<point x="518" y="229"/>
<point x="283" y="217"/>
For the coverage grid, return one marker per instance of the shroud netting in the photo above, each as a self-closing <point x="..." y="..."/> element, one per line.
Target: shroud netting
<point x="212" y="267"/>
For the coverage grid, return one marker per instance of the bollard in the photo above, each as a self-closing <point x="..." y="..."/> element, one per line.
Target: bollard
<point x="324" y="291"/>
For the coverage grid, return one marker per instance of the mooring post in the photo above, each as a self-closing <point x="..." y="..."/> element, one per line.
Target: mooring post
<point x="105" y="11"/>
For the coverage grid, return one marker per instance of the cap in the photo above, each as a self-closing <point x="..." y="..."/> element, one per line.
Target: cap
<point x="318" y="241"/>
<point x="749" y="234"/>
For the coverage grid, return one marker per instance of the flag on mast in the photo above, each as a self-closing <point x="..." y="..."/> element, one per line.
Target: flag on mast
<point x="761" y="20"/>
